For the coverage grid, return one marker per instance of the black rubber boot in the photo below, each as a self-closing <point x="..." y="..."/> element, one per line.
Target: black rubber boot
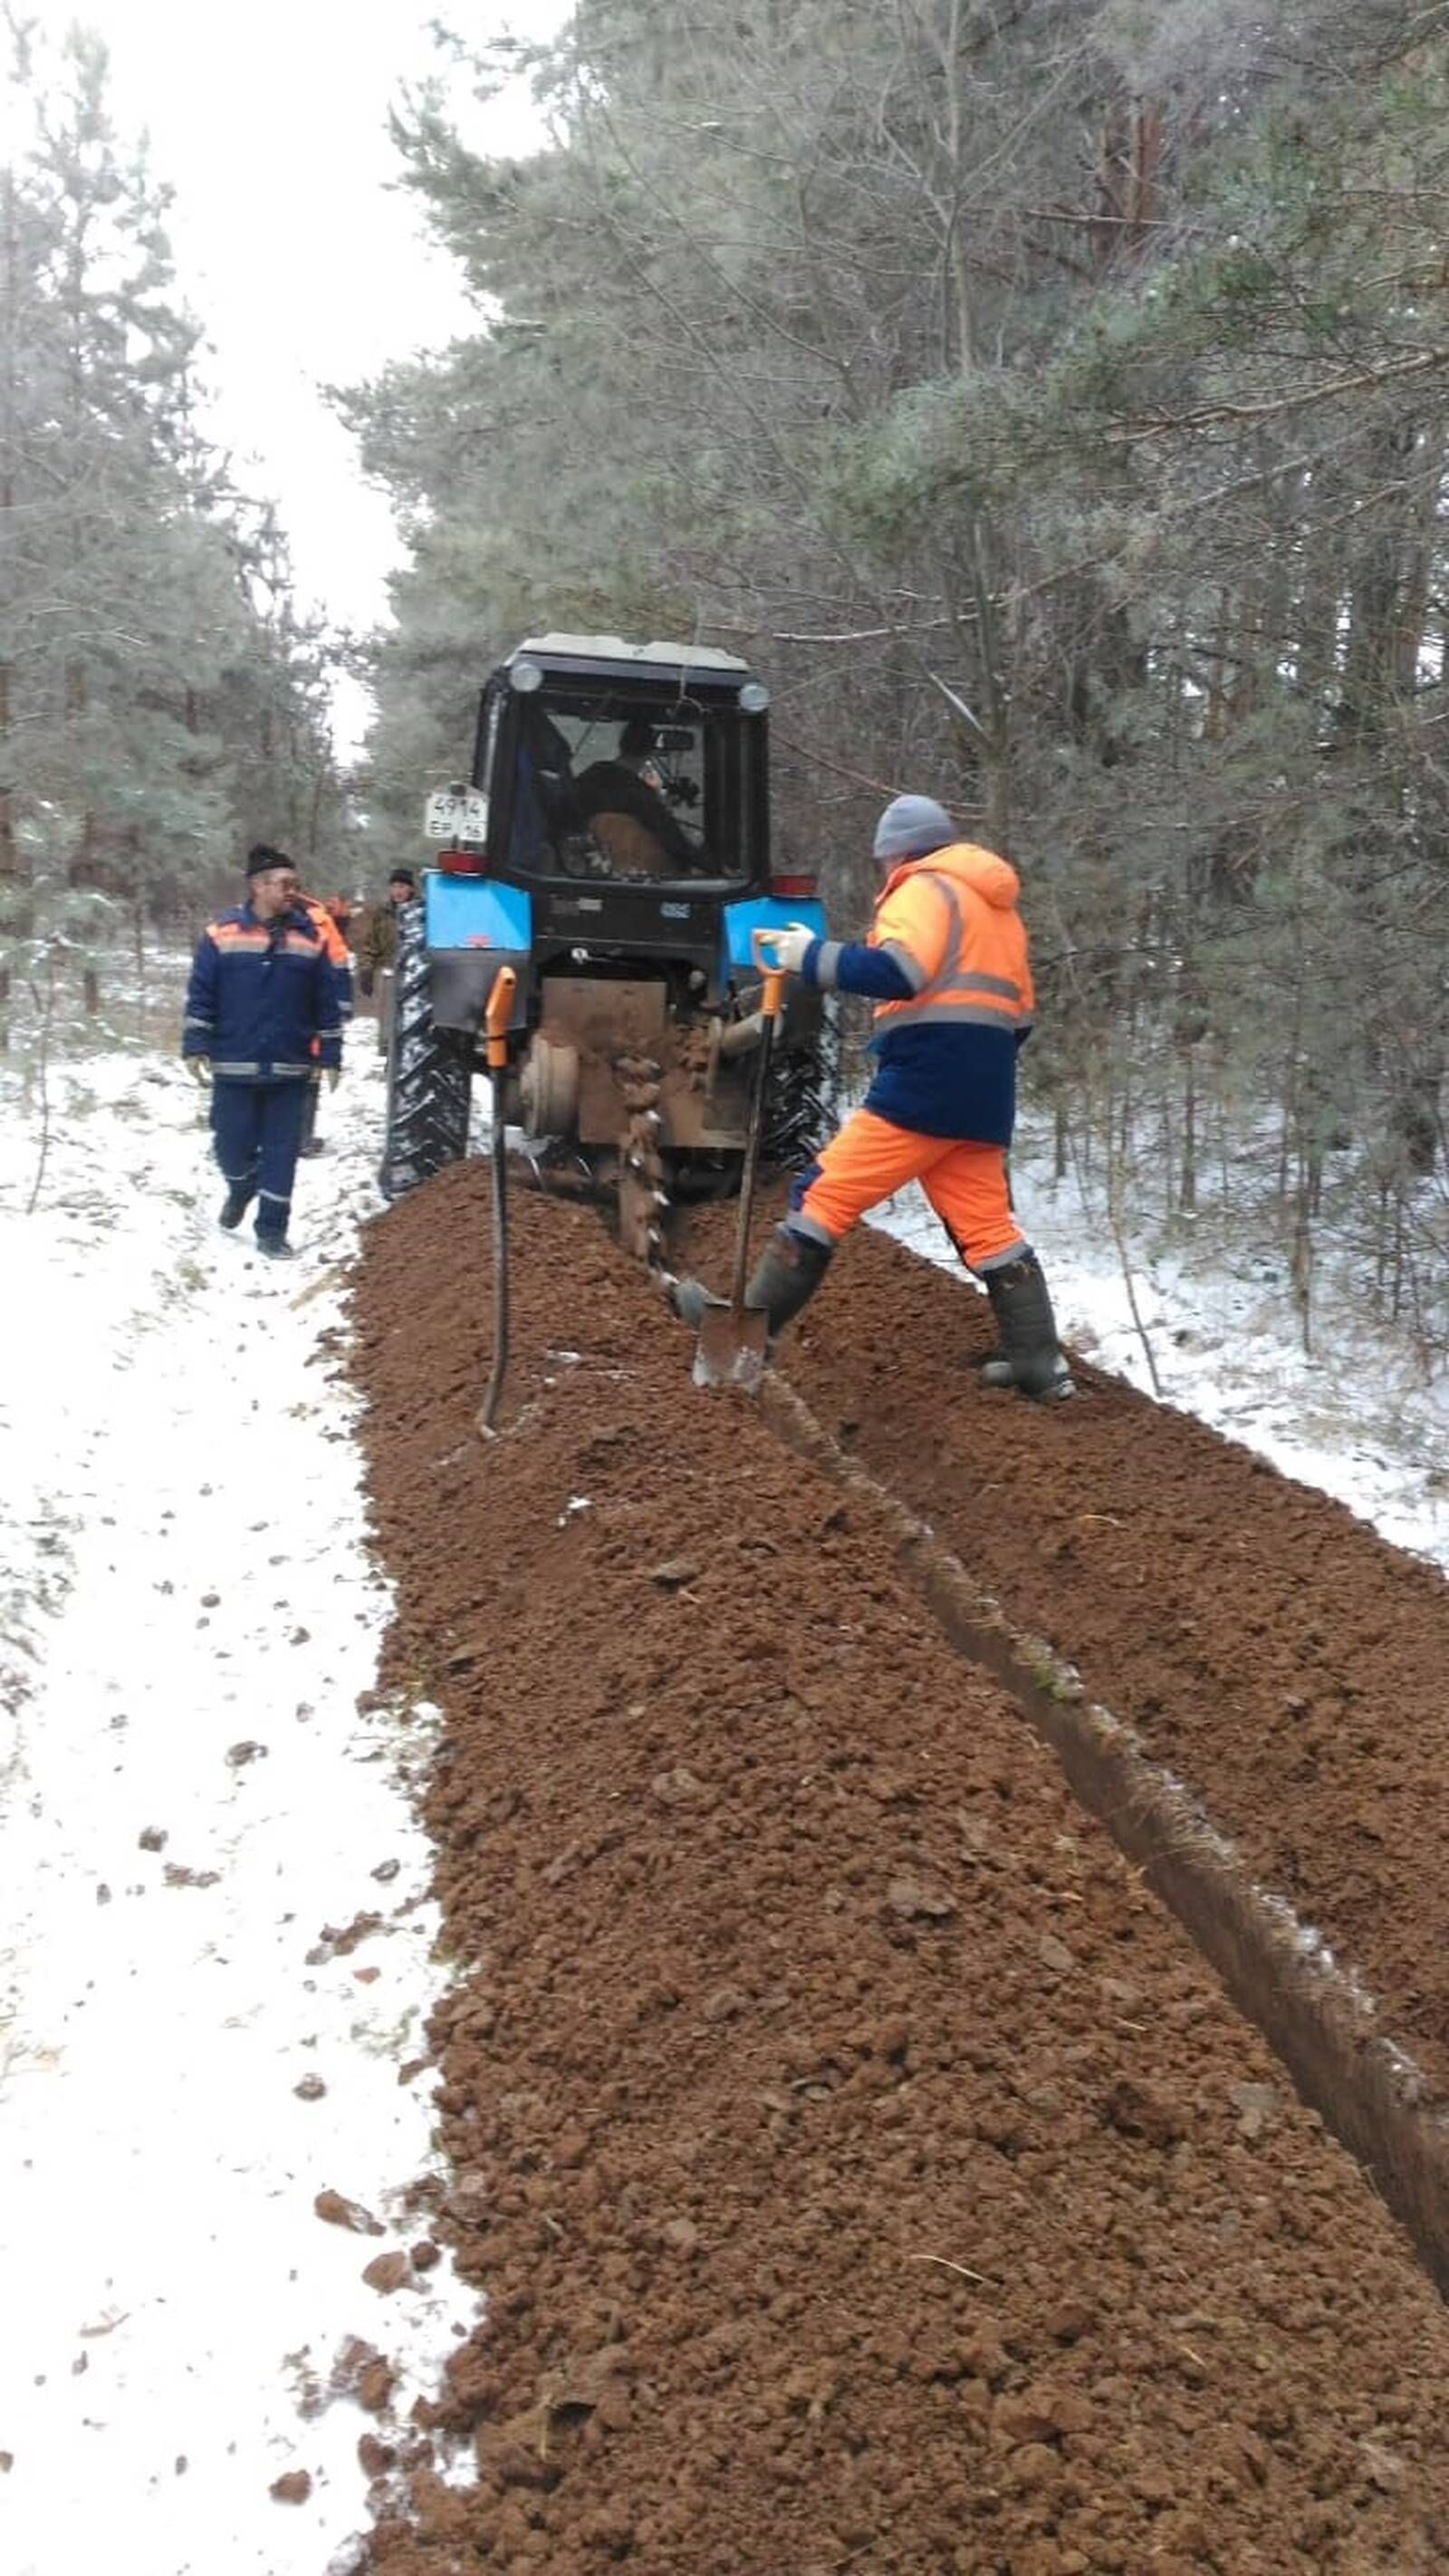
<point x="787" y="1275"/>
<point x="1031" y="1356"/>
<point x="235" y="1205"/>
<point x="786" y="1279"/>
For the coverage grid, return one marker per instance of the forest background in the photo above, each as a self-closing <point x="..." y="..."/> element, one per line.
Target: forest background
<point x="1048" y="396"/>
<point x="162" y="701"/>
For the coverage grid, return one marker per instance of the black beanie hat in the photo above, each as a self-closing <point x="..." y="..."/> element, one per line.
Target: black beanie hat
<point x="403" y="876"/>
<point x="261" y="857"/>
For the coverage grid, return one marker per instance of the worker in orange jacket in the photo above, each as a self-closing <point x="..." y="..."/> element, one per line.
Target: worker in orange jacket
<point x="334" y="947"/>
<point x="947" y="966"/>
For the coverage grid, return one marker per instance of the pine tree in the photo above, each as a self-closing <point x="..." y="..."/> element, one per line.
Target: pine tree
<point x="158" y="701"/>
<point x="1054" y="401"/>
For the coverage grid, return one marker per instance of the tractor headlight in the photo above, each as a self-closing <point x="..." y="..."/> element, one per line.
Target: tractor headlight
<point x="754" y="697"/>
<point x="525" y="677"/>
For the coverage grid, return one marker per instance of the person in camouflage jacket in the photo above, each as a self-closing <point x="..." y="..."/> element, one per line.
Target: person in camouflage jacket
<point x="377" y="940"/>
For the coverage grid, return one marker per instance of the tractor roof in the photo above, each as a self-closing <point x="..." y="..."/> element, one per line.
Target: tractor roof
<point x="612" y="648"/>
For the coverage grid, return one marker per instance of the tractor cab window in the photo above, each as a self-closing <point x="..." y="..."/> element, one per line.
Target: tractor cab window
<point x="608" y="788"/>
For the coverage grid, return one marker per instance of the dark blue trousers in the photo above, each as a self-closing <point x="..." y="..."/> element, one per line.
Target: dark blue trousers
<point x="256" y="1128"/>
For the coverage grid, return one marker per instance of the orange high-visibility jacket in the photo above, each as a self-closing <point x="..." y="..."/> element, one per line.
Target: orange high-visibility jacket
<point x="335" y="950"/>
<point x="951" y="923"/>
<point x="953" y="1002"/>
<point x="327" y="930"/>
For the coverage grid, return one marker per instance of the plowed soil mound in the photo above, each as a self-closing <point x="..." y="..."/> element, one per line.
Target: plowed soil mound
<point x="862" y="2171"/>
<point x="1290" y="1666"/>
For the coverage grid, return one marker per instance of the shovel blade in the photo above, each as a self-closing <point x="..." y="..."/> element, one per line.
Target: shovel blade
<point x="731" y="1346"/>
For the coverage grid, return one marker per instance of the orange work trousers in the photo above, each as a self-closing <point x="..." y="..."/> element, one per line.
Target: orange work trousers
<point x="871" y="1158"/>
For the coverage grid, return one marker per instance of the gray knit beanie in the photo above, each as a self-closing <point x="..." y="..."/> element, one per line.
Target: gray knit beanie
<point x="911" y="826"/>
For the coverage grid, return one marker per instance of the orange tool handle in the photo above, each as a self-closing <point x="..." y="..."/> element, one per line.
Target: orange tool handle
<point x="497" y="1016"/>
<point x="776" y="977"/>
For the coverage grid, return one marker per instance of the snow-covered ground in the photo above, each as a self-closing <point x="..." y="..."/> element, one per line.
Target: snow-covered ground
<point x="191" y="1808"/>
<point x="1357" y="1419"/>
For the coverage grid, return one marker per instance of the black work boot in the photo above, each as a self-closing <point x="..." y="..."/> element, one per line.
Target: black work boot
<point x="234" y="1206"/>
<point x="1031" y="1356"/>
<point x="787" y="1275"/>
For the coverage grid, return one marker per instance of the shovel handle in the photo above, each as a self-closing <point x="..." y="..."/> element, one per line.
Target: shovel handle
<point x="776" y="977"/>
<point x="497" y="1015"/>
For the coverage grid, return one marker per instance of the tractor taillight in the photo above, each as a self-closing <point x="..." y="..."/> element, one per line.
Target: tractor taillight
<point x="461" y="863"/>
<point x="791" y="889"/>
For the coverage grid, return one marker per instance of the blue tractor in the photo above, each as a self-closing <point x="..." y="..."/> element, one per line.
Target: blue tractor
<point x="614" y="850"/>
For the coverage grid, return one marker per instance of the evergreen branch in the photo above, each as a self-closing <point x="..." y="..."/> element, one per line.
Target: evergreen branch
<point x="1425" y="362"/>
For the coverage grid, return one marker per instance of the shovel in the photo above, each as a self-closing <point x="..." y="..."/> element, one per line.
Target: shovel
<point x="496" y="1018"/>
<point x="731" y="1346"/>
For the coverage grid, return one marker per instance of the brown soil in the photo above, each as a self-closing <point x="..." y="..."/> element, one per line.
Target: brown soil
<point x="1286" y="1662"/>
<point x="862" y="2170"/>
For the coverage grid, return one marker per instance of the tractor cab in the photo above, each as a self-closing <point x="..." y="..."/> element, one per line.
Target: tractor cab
<point x="619" y="807"/>
<point x="611" y="764"/>
<point x="613" y="849"/>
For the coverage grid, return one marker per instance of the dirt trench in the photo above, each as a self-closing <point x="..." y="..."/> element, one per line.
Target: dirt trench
<point x="862" y="2169"/>
<point x="1270" y="1649"/>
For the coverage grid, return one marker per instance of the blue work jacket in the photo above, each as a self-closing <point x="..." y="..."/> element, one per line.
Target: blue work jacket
<point x="262" y="1002"/>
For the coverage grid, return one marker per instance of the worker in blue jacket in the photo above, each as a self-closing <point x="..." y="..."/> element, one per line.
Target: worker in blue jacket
<point x="261" y="1018"/>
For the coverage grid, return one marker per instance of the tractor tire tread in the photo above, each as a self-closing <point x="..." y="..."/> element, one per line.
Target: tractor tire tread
<point x="801" y="1103"/>
<point x="429" y="1077"/>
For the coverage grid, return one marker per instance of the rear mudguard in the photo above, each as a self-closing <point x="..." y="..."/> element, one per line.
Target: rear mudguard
<point x="474" y="925"/>
<point x="764" y="912"/>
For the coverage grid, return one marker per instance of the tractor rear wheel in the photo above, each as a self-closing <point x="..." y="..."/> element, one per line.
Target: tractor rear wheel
<point x="800" y="1103"/>
<point x="429" y="1076"/>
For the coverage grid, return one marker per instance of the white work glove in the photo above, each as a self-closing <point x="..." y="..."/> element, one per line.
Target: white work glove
<point x="788" y="946"/>
<point x="199" y="1068"/>
<point x="334" y="1076"/>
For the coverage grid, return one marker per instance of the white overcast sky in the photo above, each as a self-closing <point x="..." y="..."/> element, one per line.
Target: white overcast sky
<point x="300" y="256"/>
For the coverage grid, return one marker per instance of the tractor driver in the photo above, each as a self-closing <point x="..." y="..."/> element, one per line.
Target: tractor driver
<point x="625" y="811"/>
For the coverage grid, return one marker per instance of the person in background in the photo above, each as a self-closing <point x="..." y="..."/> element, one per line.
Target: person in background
<point x="377" y="945"/>
<point x="339" y="959"/>
<point x="946" y="964"/>
<point x="262" y="994"/>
